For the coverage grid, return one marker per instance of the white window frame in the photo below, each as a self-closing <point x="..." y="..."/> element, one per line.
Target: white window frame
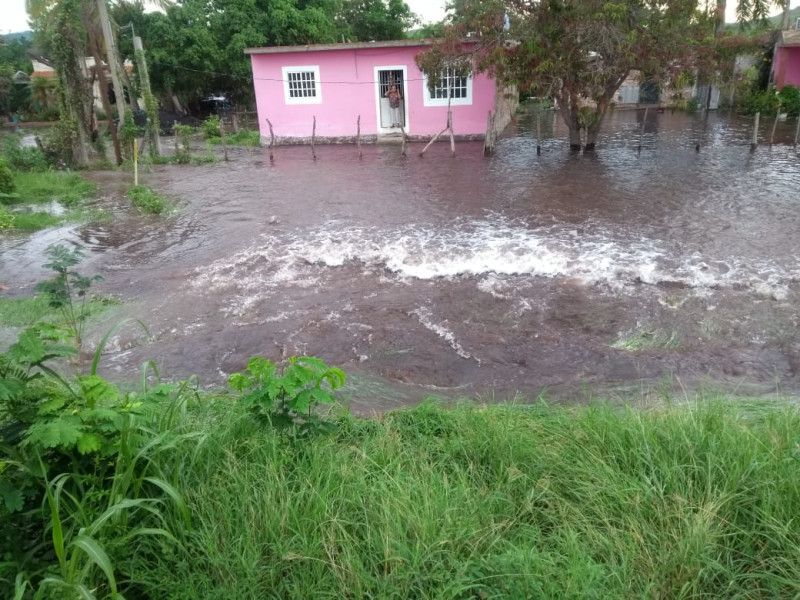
<point x="316" y="99"/>
<point x="429" y="100"/>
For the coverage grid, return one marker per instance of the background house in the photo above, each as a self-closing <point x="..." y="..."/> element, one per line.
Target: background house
<point x="337" y="83"/>
<point x="786" y="62"/>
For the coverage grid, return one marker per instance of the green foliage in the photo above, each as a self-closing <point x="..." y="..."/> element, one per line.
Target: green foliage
<point x="7" y="185"/>
<point x="789" y="99"/>
<point x="147" y="200"/>
<point x="26" y="312"/>
<point x="6" y="218"/>
<point x="289" y="398"/>
<point x="127" y="134"/>
<point x="67" y="291"/>
<point x="692" y="501"/>
<point x="766" y="102"/>
<point x="210" y="127"/>
<point x="23" y="159"/>
<point x="34" y="221"/>
<point x="183" y="143"/>
<point x="66" y="188"/>
<point x="240" y="138"/>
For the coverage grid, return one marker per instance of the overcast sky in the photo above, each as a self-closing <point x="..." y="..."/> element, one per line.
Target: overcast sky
<point x="13" y="17"/>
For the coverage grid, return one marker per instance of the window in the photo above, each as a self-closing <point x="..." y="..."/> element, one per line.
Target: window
<point x="458" y="87"/>
<point x="301" y="85"/>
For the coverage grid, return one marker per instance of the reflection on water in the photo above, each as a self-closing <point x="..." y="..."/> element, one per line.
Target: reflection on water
<point x="470" y="274"/>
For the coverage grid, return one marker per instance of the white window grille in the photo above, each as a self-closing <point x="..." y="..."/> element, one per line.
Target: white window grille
<point x="301" y="85"/>
<point x="452" y="86"/>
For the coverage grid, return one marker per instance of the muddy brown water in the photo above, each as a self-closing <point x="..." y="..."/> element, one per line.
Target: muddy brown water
<point x="465" y="275"/>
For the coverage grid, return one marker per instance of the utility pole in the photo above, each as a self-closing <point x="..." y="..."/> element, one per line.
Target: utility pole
<point x="111" y="56"/>
<point x="154" y="122"/>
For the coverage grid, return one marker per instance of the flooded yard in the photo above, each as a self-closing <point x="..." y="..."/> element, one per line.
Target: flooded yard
<point x="654" y="270"/>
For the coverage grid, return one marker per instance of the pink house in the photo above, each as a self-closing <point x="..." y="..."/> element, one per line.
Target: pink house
<point x="786" y="62"/>
<point x="338" y="83"/>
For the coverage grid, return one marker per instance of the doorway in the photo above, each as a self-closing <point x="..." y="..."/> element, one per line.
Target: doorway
<point x="386" y="77"/>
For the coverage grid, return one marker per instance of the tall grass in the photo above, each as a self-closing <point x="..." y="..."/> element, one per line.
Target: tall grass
<point x="699" y="500"/>
<point x="69" y="189"/>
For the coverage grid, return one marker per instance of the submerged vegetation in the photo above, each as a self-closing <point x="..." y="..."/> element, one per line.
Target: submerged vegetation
<point x="146" y="200"/>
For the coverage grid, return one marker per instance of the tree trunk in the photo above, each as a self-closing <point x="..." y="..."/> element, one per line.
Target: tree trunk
<point x="101" y="77"/>
<point x="785" y="15"/>
<point x="571" y="116"/>
<point x="720" y="17"/>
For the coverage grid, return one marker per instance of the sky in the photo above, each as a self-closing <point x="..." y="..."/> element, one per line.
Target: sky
<point x="13" y="17"/>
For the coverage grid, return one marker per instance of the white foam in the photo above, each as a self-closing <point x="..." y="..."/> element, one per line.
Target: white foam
<point x="493" y="250"/>
<point x="426" y="320"/>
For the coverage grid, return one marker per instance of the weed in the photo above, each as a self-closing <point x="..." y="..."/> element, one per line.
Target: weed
<point x="210" y="127"/>
<point x="288" y="398"/>
<point x="240" y="138"/>
<point x="6" y="218"/>
<point x="26" y="312"/>
<point x="147" y="200"/>
<point x="69" y="189"/>
<point x="183" y="143"/>
<point x="23" y="159"/>
<point x="7" y="185"/>
<point x="647" y="338"/>
<point x="66" y="292"/>
<point x="33" y="221"/>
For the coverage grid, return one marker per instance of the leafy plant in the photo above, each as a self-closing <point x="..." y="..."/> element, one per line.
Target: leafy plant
<point x="147" y="200"/>
<point x="7" y="185"/>
<point x="6" y="218"/>
<point x="127" y="133"/>
<point x="210" y="127"/>
<point x="789" y="98"/>
<point x="287" y="398"/>
<point x="67" y="290"/>
<point x="183" y="143"/>
<point x="23" y="158"/>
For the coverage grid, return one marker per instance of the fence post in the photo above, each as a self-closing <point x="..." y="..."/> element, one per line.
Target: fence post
<point x="358" y="136"/>
<point x="754" y="141"/>
<point x="313" y="138"/>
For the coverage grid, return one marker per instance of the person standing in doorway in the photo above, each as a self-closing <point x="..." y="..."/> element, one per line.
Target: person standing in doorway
<point x="395" y="97"/>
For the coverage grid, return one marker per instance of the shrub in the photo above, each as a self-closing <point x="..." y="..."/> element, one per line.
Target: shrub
<point x="6" y="218"/>
<point x="23" y="159"/>
<point x="210" y="127"/>
<point x="789" y="98"/>
<point x="7" y="185"/>
<point x="147" y="200"/>
<point x="754" y="101"/>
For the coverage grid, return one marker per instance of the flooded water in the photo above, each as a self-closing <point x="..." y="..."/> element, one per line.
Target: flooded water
<point x="661" y="269"/>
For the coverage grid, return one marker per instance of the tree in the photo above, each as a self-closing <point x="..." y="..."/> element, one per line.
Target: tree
<point x="577" y="52"/>
<point x="366" y="20"/>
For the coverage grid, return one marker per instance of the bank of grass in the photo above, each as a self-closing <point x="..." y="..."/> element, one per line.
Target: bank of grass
<point x="67" y="188"/>
<point x="25" y="312"/>
<point x="697" y="500"/>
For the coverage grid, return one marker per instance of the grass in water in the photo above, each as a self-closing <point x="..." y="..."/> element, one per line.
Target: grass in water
<point x="25" y="312"/>
<point x="240" y="138"/>
<point x="647" y="338"/>
<point x="147" y="200"/>
<point x="698" y="500"/>
<point x="69" y="189"/>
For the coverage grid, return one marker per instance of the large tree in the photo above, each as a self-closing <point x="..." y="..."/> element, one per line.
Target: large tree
<point x="578" y="52"/>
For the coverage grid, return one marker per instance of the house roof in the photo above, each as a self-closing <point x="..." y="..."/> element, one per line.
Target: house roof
<point x="340" y="46"/>
<point x="789" y="37"/>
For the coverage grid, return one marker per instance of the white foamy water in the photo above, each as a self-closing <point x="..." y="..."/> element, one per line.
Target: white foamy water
<point x="489" y="250"/>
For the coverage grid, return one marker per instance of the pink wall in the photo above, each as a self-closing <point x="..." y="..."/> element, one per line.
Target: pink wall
<point x="787" y="66"/>
<point x="348" y="90"/>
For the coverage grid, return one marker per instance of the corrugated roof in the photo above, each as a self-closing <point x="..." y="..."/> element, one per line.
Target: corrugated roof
<point x="344" y="46"/>
<point x="790" y="37"/>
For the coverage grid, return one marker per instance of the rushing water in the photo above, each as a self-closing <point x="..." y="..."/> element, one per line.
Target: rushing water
<point x="468" y="275"/>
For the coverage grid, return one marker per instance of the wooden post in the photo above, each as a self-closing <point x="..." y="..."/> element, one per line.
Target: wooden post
<point x="775" y="125"/>
<point x="538" y="133"/>
<point x="403" y="143"/>
<point x="135" y="161"/>
<point x="754" y="141"/>
<point x="487" y="139"/>
<point x="313" y="138"/>
<point x="271" y="141"/>
<point x="175" y="133"/>
<point x="358" y="136"/>
<point x="222" y="137"/>
<point x="450" y="127"/>
<point x="641" y="129"/>
<point x="797" y="131"/>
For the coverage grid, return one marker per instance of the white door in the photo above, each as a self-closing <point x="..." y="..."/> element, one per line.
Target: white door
<point x="386" y="77"/>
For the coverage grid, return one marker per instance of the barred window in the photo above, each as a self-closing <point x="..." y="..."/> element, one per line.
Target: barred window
<point x="302" y="85"/>
<point x="452" y="87"/>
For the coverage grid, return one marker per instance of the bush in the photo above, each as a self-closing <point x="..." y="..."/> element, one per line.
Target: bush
<point x="147" y="200"/>
<point x="210" y="127"/>
<point x="789" y="97"/>
<point x="6" y="218"/>
<point x="764" y="102"/>
<point x="7" y="185"/>
<point x="23" y="159"/>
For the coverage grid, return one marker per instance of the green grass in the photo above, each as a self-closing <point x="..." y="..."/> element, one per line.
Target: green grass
<point x="698" y="500"/>
<point x="35" y="220"/>
<point x="69" y="189"/>
<point x="24" y="312"/>
<point x="647" y="338"/>
<point x="240" y="138"/>
<point x="147" y="200"/>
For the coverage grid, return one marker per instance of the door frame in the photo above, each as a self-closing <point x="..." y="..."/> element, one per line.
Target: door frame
<point x="377" y="92"/>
